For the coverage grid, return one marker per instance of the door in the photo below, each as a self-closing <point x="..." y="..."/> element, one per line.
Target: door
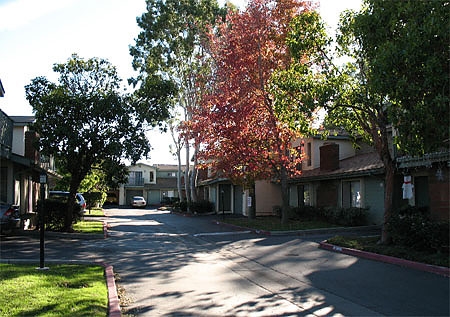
<point x="225" y="198"/>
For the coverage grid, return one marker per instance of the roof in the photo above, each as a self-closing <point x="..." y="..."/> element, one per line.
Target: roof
<point x="22" y="120"/>
<point x="169" y="167"/>
<point x="359" y="165"/>
<point x="2" y="90"/>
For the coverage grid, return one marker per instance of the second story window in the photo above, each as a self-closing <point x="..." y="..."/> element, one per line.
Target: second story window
<point x="152" y="178"/>
<point x="308" y="154"/>
<point x="135" y="178"/>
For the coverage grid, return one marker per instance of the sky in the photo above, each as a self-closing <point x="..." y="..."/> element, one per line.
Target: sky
<point x="34" y="35"/>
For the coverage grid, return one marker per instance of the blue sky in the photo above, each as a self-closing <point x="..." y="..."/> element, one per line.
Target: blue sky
<point x="35" y="34"/>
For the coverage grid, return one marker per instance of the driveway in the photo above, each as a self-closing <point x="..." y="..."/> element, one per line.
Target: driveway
<point x="170" y="265"/>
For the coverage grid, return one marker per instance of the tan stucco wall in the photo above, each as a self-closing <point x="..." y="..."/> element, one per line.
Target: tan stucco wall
<point x="267" y="195"/>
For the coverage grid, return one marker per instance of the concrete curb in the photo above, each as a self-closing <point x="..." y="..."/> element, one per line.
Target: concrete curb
<point x="113" y="298"/>
<point x="387" y="259"/>
<point x="358" y="253"/>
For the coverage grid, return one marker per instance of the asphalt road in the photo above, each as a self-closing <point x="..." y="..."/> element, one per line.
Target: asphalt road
<point x="171" y="265"/>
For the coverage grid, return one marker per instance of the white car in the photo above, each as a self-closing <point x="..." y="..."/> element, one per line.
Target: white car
<point x="138" y="201"/>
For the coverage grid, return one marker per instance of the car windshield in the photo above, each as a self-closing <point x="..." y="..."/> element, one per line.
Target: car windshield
<point x="138" y="198"/>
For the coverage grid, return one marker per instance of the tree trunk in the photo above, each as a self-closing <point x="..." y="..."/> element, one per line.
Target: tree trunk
<point x="284" y="195"/>
<point x="71" y="201"/>
<point x="187" y="176"/>
<point x="193" y="178"/>
<point x="388" y="200"/>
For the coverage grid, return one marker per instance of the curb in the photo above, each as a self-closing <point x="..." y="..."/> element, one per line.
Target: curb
<point x="353" y="252"/>
<point x="387" y="259"/>
<point x="113" y="298"/>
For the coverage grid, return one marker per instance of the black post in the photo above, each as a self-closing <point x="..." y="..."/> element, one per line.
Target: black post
<point x="222" y="193"/>
<point x="43" y="181"/>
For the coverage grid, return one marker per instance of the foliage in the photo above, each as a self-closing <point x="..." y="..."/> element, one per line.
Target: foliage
<point x="94" y="198"/>
<point x="55" y="211"/>
<point x="351" y="216"/>
<point x="273" y="223"/>
<point x="64" y="290"/>
<point x="407" y="62"/>
<point x="412" y="227"/>
<point x="168" y="55"/>
<point x="389" y="78"/>
<point x="371" y="244"/>
<point x="86" y="121"/>
<point x="241" y="137"/>
<point x="199" y="207"/>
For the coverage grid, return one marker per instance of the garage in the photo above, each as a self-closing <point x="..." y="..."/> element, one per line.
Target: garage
<point x="130" y="193"/>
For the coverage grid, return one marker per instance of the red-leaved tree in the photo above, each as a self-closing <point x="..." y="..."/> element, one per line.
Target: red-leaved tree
<point x="242" y="139"/>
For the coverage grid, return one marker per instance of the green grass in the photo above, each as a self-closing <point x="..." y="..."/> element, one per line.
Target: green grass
<point x="94" y="212"/>
<point x="89" y="227"/>
<point x="370" y="244"/>
<point x="63" y="290"/>
<point x="274" y="224"/>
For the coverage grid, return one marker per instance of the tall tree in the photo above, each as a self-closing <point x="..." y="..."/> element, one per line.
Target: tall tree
<point x="85" y="120"/>
<point x="169" y="46"/>
<point x="389" y="81"/>
<point x="242" y="138"/>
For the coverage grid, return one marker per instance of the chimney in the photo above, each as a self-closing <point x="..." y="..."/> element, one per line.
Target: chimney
<point x="30" y="150"/>
<point x="329" y="157"/>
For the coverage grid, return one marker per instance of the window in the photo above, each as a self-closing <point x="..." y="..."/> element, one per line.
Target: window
<point x="303" y="195"/>
<point x="172" y="174"/>
<point x="351" y="194"/>
<point x="151" y="176"/>
<point x="135" y="178"/>
<point x="308" y="154"/>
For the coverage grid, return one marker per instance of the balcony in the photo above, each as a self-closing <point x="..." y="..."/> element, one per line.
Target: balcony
<point x="135" y="181"/>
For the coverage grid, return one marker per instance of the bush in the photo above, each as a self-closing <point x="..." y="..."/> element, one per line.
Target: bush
<point x="93" y="198"/>
<point x="202" y="207"/>
<point x="412" y="227"/>
<point x="306" y="213"/>
<point x="199" y="207"/>
<point x="352" y="216"/>
<point x="55" y="211"/>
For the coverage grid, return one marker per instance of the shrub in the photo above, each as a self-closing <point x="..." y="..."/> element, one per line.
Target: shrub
<point x="202" y="207"/>
<point x="306" y="213"/>
<point x="352" y="216"/>
<point x="199" y="207"/>
<point x="93" y="198"/>
<point x="412" y="227"/>
<point x="54" y="214"/>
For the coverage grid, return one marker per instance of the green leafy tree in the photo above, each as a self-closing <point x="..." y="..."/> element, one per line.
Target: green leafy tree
<point x="390" y="80"/>
<point x="169" y="47"/>
<point x="85" y="120"/>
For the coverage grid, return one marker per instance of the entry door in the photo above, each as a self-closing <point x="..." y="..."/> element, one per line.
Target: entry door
<point x="225" y="198"/>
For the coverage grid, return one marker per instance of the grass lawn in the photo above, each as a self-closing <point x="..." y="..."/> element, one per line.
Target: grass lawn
<point x="370" y="244"/>
<point x="63" y="290"/>
<point x="94" y="212"/>
<point x="88" y="227"/>
<point x="274" y="224"/>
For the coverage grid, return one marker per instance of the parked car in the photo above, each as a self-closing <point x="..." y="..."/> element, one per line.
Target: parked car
<point x="9" y="217"/>
<point x="138" y="201"/>
<point x="61" y="195"/>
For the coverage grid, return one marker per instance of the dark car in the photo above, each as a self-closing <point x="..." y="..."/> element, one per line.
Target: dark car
<point x="61" y="195"/>
<point x="9" y="217"/>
